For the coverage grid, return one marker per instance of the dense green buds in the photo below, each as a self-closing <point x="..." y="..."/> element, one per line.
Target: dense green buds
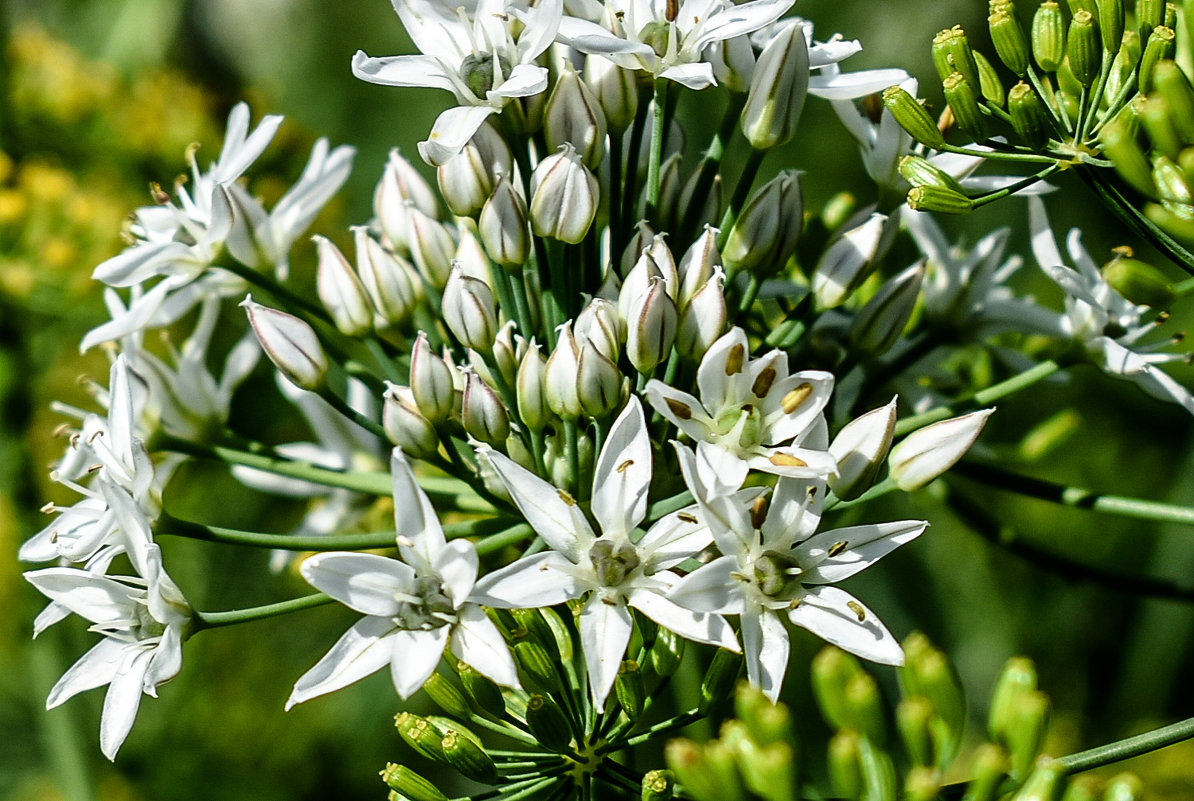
<point x="658" y="785"/>
<point x="548" y="723"/>
<point x="1029" y="118"/>
<point x="939" y="199"/>
<point x="952" y="54"/>
<point x="913" y="117"/>
<point x="962" y="97"/>
<point x="832" y="671"/>
<point x="536" y="666"/>
<point x="1083" y="47"/>
<point x="707" y="772"/>
<point x="574" y="116"/>
<point x="1048" y="36"/>
<point x="929" y="673"/>
<point x="1139" y="282"/>
<point x="1010" y="43"/>
<point x="1044" y="783"/>
<point x="778" y="89"/>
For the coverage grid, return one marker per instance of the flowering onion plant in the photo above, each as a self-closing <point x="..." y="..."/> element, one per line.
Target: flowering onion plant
<point x="630" y="398"/>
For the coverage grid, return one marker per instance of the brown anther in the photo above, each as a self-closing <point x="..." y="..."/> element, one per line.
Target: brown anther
<point x="758" y="511"/>
<point x="61" y="430"/>
<point x="624" y="466"/>
<point x="795" y="603"/>
<point x="796" y="397"/>
<point x="672" y="10"/>
<point x="786" y="460"/>
<point x="94" y="436"/>
<point x="54" y="537"/>
<point x="1178" y="337"/>
<point x="74" y="440"/>
<point x="763" y="382"/>
<point x="679" y="409"/>
<point x="1163" y="317"/>
<point x="566" y="497"/>
<point x="158" y="195"/>
<point x="95" y="468"/>
<point x="837" y="548"/>
<point x="857" y="609"/>
<point x="812" y="492"/>
<point x="687" y="517"/>
<point x="735" y="358"/>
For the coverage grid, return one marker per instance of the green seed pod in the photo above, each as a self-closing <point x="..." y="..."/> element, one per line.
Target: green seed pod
<point x="1171" y="83"/>
<point x="547" y="723"/>
<point x="537" y="627"/>
<point x="878" y="772"/>
<point x="469" y="758"/>
<point x="1043" y="783"/>
<point x="1154" y="114"/>
<point x="963" y="101"/>
<point x="987" y="773"/>
<point x="419" y="734"/>
<point x="1160" y="46"/>
<point x="1123" y="787"/>
<point x="536" y="666"/>
<point x="1017" y="678"/>
<point x="707" y="772"/>
<point x="844" y="760"/>
<point x="990" y="86"/>
<point x="719" y="679"/>
<point x="913" y="117"/>
<point x="765" y="721"/>
<point x="1048" y="36"/>
<point x="922" y="784"/>
<point x="409" y="784"/>
<point x="1172" y="222"/>
<point x="1008" y="37"/>
<point x="1123" y="67"/>
<point x="1082" y="48"/>
<point x="1120" y="145"/>
<point x="667" y="652"/>
<point x="446" y="696"/>
<point x="939" y="199"/>
<point x="913" y="718"/>
<point x="630" y="689"/>
<point x="919" y="171"/>
<point x="1185" y="160"/>
<point x="1149" y="14"/>
<point x="1026" y="734"/>
<point x="659" y="785"/>
<point x="832" y="670"/>
<point x="951" y="53"/>
<point x="1170" y="20"/>
<point x="483" y="692"/>
<point x="1029" y="119"/>
<point x="1111" y="24"/>
<point x="1089" y="6"/>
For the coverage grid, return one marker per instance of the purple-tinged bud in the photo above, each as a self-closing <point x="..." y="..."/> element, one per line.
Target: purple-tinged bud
<point x="401" y="187"/>
<point x="564" y="197"/>
<point x="469" y="311"/>
<point x="599" y="382"/>
<point x="574" y="116"/>
<point x="703" y="319"/>
<point x="431" y="382"/>
<point x="651" y="327"/>
<point x="927" y="453"/>
<point x="860" y="449"/>
<point x="340" y="291"/>
<point x="847" y="262"/>
<point x="561" y="376"/>
<point x="468" y="179"/>
<point x="390" y="281"/>
<point x="483" y="414"/>
<point x="290" y="343"/>
<point x="405" y="425"/>
<point x="503" y="225"/>
<point x="616" y="90"/>
<point x="432" y="247"/>
<point x="530" y="389"/>
<point x="778" y="89"/>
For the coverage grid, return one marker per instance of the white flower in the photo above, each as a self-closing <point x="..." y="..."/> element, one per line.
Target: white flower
<point x="667" y="38"/>
<point x="616" y="570"/>
<point x="413" y="609"/>
<point x="749" y="410"/>
<point x="478" y="57"/>
<point x="143" y="622"/>
<point x="1108" y="326"/>
<point x="774" y="567"/>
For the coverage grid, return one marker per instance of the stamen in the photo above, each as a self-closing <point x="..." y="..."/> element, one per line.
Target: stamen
<point x="796" y="397"/>
<point x="687" y="517"/>
<point x="679" y="409"/>
<point x="758" y="511"/>
<point x="857" y="609"/>
<point x="624" y="466"/>
<point x="762" y="384"/>
<point x="566" y="497"/>
<point x="837" y="548"/>
<point x="735" y="358"/>
<point x="672" y="10"/>
<point x="786" y="460"/>
<point x="404" y="541"/>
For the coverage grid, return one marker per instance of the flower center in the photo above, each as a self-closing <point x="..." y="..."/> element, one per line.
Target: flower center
<point x="613" y="563"/>
<point x="147" y="626"/>
<point x="429" y="608"/>
<point x="478" y="74"/>
<point x="777" y="574"/>
<point x="741" y="426"/>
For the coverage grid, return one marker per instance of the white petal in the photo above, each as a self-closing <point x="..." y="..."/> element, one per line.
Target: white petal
<point x="711" y="588"/>
<point x="604" y="632"/>
<point x="865" y="545"/>
<point x="696" y="626"/>
<point x="420" y="71"/>
<point x="697" y="75"/>
<point x="721" y="468"/>
<point x="543" y="579"/>
<point x="364" y="582"/>
<point x="794" y="512"/>
<point x="833" y="615"/>
<point x="97" y="598"/>
<point x="415" y="519"/>
<point x="122" y="701"/>
<point x="719" y="382"/>
<point x="477" y="642"/>
<point x="453" y="129"/>
<point x="849" y="85"/>
<point x="140" y="262"/>
<point x="766" y="645"/>
<point x="456" y="565"/>
<point x="674" y="538"/>
<point x="696" y="422"/>
<point x="735" y="20"/>
<point x="413" y="657"/>
<point x="362" y="650"/>
<point x="622" y="474"/>
<point x="94" y="669"/>
<point x="524" y="80"/>
<point x="554" y="516"/>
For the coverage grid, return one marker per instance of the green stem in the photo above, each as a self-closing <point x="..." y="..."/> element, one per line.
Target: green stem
<point x="654" y="159"/>
<point x="211" y="620"/>
<point x="1130" y="215"/>
<point x="1011" y="189"/>
<point x="711" y="161"/>
<point x="996" y="155"/>
<point x="341" y="405"/>
<point x="1116" y="505"/>
<point x="292" y="299"/>
<point x="669" y="725"/>
<point x="669" y="505"/>
<point x="511" y="536"/>
<point x="1129" y="747"/>
<point x="746" y="180"/>
<point x="630" y="187"/>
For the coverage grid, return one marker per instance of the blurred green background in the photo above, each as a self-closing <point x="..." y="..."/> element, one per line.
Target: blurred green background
<point x="100" y="98"/>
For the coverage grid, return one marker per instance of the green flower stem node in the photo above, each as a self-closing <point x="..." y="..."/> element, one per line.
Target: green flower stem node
<point x="913" y="718"/>
<point x="1048" y="36"/>
<point x="659" y="785"/>
<point x="939" y="199"/>
<point x="962" y="97"/>
<point x="1010" y="43"/>
<point x="446" y="696"/>
<point x="951" y="53"/>
<point x="408" y="784"/>
<point x="844" y="763"/>
<point x="1123" y="787"/>
<point x="719" y="679"/>
<point x="1044" y="782"/>
<point x="1159" y="46"/>
<point x="630" y="689"/>
<point x="1155" y="116"/>
<point x="547" y="723"/>
<point x="989" y="84"/>
<point x="1029" y="118"/>
<point x="1111" y="24"/>
<point x="1082" y="48"/>
<point x="469" y="758"/>
<point x="1120" y="146"/>
<point x="1139" y="282"/>
<point x="913" y="117"/>
<point x="990" y="767"/>
<point x="483" y="692"/>
<point x="1171" y="83"/>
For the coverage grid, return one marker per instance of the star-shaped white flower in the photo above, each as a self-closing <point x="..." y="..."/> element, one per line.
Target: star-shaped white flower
<point x="752" y="414"/>
<point x="615" y="569"/>
<point x="414" y="608"/>
<point x="144" y="622"/>
<point x="774" y="567"/>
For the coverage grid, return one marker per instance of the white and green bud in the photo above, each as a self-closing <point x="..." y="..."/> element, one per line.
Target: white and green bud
<point x="927" y="453"/>
<point x="529" y="389"/>
<point x="431" y="382"/>
<point x="469" y="311"/>
<point x="733" y="62"/>
<point x="432" y="247"/>
<point x="508" y="348"/>
<point x="645" y="270"/>
<point x="879" y="324"/>
<point x="599" y="382"/>
<point x="405" y="425"/>
<point x="860" y="449"/>
<point x="765" y="233"/>
<point x="616" y="91"/>
<point x="600" y="323"/>
<point x="470" y="254"/>
<point x="390" y="280"/>
<point x="699" y="263"/>
<point x="401" y="188"/>
<point x="564" y="196"/>
<point x="503" y="226"/>
<point x="340" y="290"/>
<point x="483" y="414"/>
<point x="671" y="185"/>
<point x="913" y="117"/>
<point x="1010" y="43"/>
<point x="562" y="376"/>
<point x="778" y="90"/>
<point x="1048" y="36"/>
<point x="291" y="344"/>
<point x="847" y="262"/>
<point x="703" y="319"/>
<point x="468" y="179"/>
<point x="651" y="327"/>
<point x="574" y="116"/>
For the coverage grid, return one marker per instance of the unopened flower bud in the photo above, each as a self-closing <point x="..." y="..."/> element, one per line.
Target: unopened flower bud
<point x="503" y="226"/>
<point x="432" y="247"/>
<point x="1160" y="46"/>
<point x="409" y="784"/>
<point x="536" y="666"/>
<point x="561" y="376"/>
<point x="469" y="758"/>
<point x="469" y="311"/>
<point x="778" y="89"/>
<point x="927" y="453"/>
<point x="697" y="265"/>
<point x="1171" y="83"/>
<point x="1083" y="48"/>
<point x="703" y="319"/>
<point x="719" y="679"/>
<point x="419" y="734"/>
<point x="927" y="671"/>
<point x="913" y="117"/>
<point x="939" y="199"/>
<point x="1010" y="43"/>
<point x="1044" y="783"/>
<point x="914" y="716"/>
<point x="952" y="54"/>
<point x="401" y="188"/>
<point x="651" y="327"/>
<point x="616" y="90"/>
<point x="340" y="291"/>
<point x="600" y="323"/>
<point x="1120" y="146"/>
<point x="963" y="102"/>
<point x="658" y="785"/>
<point x="564" y="197"/>
<point x="733" y="62"/>
<point x="1123" y="787"/>
<point x="547" y="723"/>
<point x="919" y="171"/>
<point x="844" y="758"/>
<point x="864" y="707"/>
<point x="1028" y="115"/>
<point x="639" y="241"/>
<point x="389" y="280"/>
<point x="707" y="772"/>
<point x="290" y="343"/>
<point x="599" y="382"/>
<point x="766" y="231"/>
<point x="879" y="324"/>
<point x="1048" y="36"/>
<point x="468" y="179"/>
<point x="1111" y="24"/>
<point x="529" y="389"/>
<point x="1082" y="788"/>
<point x="860" y="449"/>
<point x="1018" y="678"/>
<point x="573" y="116"/>
<point x="832" y="671"/>
<point x="1139" y="282"/>
<point x="405" y="425"/>
<point x="483" y="414"/>
<point x="670" y="186"/>
<point x="483" y="692"/>
<point x="769" y="772"/>
<point x="630" y="689"/>
<point x="445" y="695"/>
<point x="847" y="262"/>
<point x="431" y="382"/>
<point x="988" y="771"/>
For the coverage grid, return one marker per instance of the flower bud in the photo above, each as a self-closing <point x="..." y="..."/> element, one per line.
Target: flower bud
<point x="445" y="695"/>
<point x="1028" y="115"/>
<point x="468" y="179"/>
<point x="778" y="89"/>
<point x="1123" y="787"/>
<point x="409" y="784"/>
<point x="432" y="247"/>
<point x="573" y="116"/>
<point x="536" y="667"/>
<point x="927" y="671"/>
<point x="1111" y="24"/>
<point x="547" y="723"/>
<point x="389" y="280"/>
<point x="939" y="199"/>
<point x="599" y="382"/>
<point x="922" y="784"/>
<point x="914" y="716"/>
<point x="564" y="197"/>
<point x="640" y="240"/>
<point x="919" y="171"/>
<point x="1120" y="146"/>
<point x="290" y="343"/>
<point x="670" y="187"/>
<point x="860" y="449"/>
<point x="1171" y="83"/>
<point x="630" y="689"/>
<point x="529" y="389"/>
<point x="615" y="89"/>
<point x="990" y="766"/>
<point x="963" y="102"/>
<point x="562" y="376"/>
<point x="1123" y="66"/>
<point x="469" y="758"/>
<point x="431" y="382"/>
<point x="483" y="692"/>
<point x="927" y="453"/>
<point x="733" y="62"/>
<point x="766" y="721"/>
<point x="419" y="734"/>
<point x="340" y="291"/>
<point x="864" y="707"/>
<point x="1018" y="678"/>
<point x="600" y="323"/>
<point x="1009" y="41"/>
<point x="846" y="263"/>
<point x="845" y="764"/>
<point x="1048" y="36"/>
<point x="401" y="188"/>
<point x="913" y="117"/>
<point x="483" y="414"/>
<point x="405" y="425"/>
<point x="1044" y="783"/>
<point x="879" y="324"/>
<point x="1083" y="48"/>
<point x="765" y="233"/>
<point x="1025" y="735"/>
<point x="658" y="785"/>
<point x="989" y="84"/>
<point x="469" y="311"/>
<point x="952" y="54"/>
<point x="503" y="226"/>
<point x="651" y="327"/>
<point x="1149" y="14"/>
<point x="1160" y="46"/>
<point x="703" y="319"/>
<point x="832" y="671"/>
<point x="768" y="772"/>
<point x="1139" y="282"/>
<point x="719" y="679"/>
<point x="706" y="772"/>
<point x="1171" y="182"/>
<point x="697" y="266"/>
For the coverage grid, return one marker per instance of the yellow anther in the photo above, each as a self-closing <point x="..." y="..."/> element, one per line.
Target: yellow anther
<point x="796" y="397"/>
